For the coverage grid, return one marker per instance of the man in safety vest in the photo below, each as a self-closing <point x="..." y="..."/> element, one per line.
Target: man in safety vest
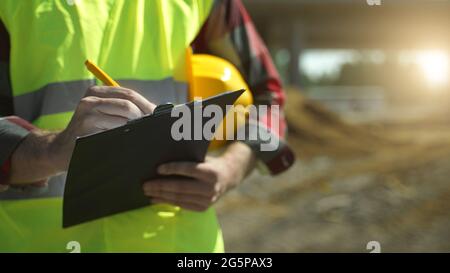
<point x="48" y="98"/>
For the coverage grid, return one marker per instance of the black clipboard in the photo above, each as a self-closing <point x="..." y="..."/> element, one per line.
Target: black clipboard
<point x="107" y="169"/>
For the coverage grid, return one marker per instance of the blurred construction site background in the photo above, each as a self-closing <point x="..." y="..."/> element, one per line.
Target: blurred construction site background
<point x="368" y="109"/>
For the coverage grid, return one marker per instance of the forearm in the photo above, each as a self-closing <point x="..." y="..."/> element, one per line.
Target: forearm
<point x="43" y="154"/>
<point x="240" y="156"/>
<point x="33" y="159"/>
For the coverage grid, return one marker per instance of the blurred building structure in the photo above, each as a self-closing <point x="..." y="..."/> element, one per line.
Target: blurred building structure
<point x="297" y="25"/>
<point x="399" y="50"/>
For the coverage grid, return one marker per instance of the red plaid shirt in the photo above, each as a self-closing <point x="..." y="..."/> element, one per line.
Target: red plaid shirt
<point x="229" y="33"/>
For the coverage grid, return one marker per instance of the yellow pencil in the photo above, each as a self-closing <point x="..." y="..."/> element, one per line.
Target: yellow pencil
<point x="100" y="74"/>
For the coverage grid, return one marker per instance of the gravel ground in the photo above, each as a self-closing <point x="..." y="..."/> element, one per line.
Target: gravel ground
<point x="398" y="195"/>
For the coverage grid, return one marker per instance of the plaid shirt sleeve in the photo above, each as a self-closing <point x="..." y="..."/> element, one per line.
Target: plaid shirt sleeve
<point x="229" y="33"/>
<point x="12" y="129"/>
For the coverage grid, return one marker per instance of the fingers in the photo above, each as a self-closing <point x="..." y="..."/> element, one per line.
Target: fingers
<point x="118" y="107"/>
<point x="188" y="194"/>
<point x="200" y="171"/>
<point x="95" y="114"/>
<point x="137" y="99"/>
<point x="192" y="194"/>
<point x="181" y="186"/>
<point x="115" y="107"/>
<point x="107" y="122"/>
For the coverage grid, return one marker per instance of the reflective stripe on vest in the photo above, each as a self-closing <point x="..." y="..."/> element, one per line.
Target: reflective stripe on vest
<point x="63" y="97"/>
<point x="141" y="41"/>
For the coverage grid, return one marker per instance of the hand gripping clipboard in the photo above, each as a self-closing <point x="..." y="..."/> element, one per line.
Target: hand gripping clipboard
<point x="107" y="169"/>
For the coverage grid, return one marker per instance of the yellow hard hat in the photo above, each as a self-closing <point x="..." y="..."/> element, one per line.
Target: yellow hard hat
<point x="209" y="76"/>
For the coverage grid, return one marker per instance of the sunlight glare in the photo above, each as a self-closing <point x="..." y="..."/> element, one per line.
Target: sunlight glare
<point x="435" y="65"/>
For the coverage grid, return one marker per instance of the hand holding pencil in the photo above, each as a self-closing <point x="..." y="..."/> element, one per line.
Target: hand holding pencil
<point x="130" y="99"/>
<point x="102" y="108"/>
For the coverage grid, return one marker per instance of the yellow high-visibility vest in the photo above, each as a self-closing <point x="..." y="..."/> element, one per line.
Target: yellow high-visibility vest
<point x="142" y="45"/>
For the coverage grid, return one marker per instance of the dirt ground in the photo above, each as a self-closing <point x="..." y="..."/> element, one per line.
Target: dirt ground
<point x="387" y="182"/>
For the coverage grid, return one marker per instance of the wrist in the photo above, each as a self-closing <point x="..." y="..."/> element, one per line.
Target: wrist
<point x="51" y="153"/>
<point x="33" y="155"/>
<point x="58" y="152"/>
<point x="240" y="160"/>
